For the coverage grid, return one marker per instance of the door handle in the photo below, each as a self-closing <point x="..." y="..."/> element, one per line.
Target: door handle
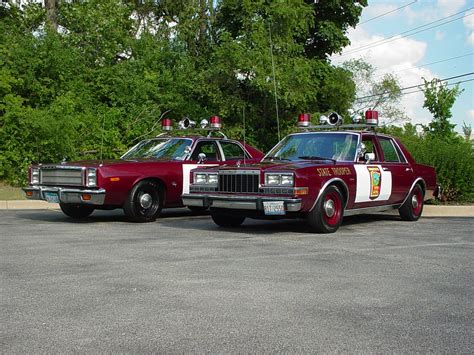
<point x="408" y="169"/>
<point x="385" y="169"/>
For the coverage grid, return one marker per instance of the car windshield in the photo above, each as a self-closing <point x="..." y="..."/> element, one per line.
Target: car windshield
<point x="163" y="148"/>
<point x="315" y="146"/>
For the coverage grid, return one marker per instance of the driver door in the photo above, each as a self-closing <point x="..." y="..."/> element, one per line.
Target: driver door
<point x="373" y="180"/>
<point x="213" y="157"/>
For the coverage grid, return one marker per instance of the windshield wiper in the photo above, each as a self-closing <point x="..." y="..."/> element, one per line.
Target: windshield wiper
<point x="313" y="157"/>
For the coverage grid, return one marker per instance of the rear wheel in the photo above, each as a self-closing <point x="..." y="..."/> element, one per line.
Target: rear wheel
<point x="226" y="220"/>
<point x="326" y="216"/>
<point x="76" y="211"/>
<point x="144" y="202"/>
<point x="413" y="207"/>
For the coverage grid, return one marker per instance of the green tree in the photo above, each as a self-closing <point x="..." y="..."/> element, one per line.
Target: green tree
<point x="381" y="93"/>
<point x="439" y="99"/>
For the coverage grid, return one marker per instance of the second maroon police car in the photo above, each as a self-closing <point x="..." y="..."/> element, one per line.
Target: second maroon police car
<point x="320" y="176"/>
<point x="150" y="176"/>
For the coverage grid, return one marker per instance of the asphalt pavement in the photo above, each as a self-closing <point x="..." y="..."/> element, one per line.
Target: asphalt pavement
<point x="182" y="284"/>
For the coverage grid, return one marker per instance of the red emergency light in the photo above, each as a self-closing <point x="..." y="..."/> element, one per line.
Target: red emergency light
<point x="304" y="120"/>
<point x="166" y="124"/>
<point x="372" y="117"/>
<point x="215" y="122"/>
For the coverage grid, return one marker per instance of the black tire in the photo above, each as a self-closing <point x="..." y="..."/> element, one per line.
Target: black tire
<point x="413" y="207"/>
<point x="197" y="209"/>
<point x="327" y="215"/>
<point x="226" y="220"/>
<point x="76" y="211"/>
<point x="144" y="202"/>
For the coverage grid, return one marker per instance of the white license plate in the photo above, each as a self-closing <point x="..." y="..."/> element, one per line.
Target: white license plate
<point x="51" y="197"/>
<point x="275" y="208"/>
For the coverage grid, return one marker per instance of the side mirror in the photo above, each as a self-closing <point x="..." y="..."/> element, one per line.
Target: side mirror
<point x="369" y="157"/>
<point x="201" y="158"/>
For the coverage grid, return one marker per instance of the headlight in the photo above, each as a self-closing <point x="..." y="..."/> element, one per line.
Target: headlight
<point x="279" y="179"/>
<point x="205" y="179"/>
<point x="91" y="178"/>
<point x="35" y="176"/>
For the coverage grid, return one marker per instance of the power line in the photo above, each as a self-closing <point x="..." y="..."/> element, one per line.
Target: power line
<point x="428" y="64"/>
<point x="412" y="87"/>
<point x="449" y="84"/>
<point x="387" y="13"/>
<point x="407" y="33"/>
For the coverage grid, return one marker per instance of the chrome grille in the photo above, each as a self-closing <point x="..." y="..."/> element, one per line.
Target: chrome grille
<point x="243" y="181"/>
<point x="61" y="176"/>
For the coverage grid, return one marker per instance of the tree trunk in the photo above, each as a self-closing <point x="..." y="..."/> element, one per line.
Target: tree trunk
<point x="50" y="6"/>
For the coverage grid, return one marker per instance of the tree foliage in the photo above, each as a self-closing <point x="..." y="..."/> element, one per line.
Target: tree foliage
<point x="381" y="93"/>
<point x="96" y="75"/>
<point x="439" y="99"/>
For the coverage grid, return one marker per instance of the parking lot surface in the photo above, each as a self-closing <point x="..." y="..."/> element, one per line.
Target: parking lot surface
<point x="182" y="284"/>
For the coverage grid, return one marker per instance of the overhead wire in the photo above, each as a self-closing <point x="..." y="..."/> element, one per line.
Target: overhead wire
<point x="358" y="99"/>
<point x="408" y="32"/>
<point x="427" y="64"/>
<point x="387" y="13"/>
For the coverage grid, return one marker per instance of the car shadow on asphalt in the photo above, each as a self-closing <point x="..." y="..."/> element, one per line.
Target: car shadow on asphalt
<point x="56" y="216"/>
<point x="257" y="227"/>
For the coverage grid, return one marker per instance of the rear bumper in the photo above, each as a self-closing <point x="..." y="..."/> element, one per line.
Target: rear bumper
<point x="253" y="203"/>
<point x="67" y="195"/>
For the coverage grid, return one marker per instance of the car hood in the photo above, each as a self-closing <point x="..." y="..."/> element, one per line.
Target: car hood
<point x="278" y="166"/>
<point x="111" y="162"/>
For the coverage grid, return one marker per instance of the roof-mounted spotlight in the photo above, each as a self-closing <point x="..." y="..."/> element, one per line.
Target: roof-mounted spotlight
<point x="323" y="119"/>
<point x="204" y="123"/>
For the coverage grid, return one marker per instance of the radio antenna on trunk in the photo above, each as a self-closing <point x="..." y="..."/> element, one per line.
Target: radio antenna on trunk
<point x="245" y="146"/>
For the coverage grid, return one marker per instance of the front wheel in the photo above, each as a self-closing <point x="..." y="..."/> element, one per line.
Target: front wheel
<point x="326" y="216"/>
<point x="413" y="207"/>
<point x="76" y="211"/>
<point x="144" y="202"/>
<point x="226" y="220"/>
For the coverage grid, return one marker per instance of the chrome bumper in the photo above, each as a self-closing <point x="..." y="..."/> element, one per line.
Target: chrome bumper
<point x="67" y="195"/>
<point x="254" y="203"/>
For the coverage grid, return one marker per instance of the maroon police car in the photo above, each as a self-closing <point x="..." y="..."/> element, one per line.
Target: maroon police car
<point x="150" y="176"/>
<point x="320" y="175"/>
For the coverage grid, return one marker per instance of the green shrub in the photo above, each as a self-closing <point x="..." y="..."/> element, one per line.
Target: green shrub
<point x="452" y="158"/>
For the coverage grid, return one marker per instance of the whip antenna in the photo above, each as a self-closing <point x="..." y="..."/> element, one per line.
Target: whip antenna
<point x="245" y="146"/>
<point x="274" y="80"/>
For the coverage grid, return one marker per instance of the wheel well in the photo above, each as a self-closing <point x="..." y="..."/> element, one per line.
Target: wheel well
<point x="343" y="189"/>
<point x="422" y="185"/>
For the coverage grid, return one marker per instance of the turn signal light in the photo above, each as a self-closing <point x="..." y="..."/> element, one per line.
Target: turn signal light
<point x="114" y="179"/>
<point x="86" y="197"/>
<point x="299" y="191"/>
<point x="29" y="193"/>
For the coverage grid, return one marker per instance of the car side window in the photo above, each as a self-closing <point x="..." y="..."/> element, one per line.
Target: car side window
<point x="232" y="151"/>
<point x="207" y="147"/>
<point x="389" y="152"/>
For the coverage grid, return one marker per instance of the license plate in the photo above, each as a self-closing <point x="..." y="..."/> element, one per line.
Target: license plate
<point x="274" y="208"/>
<point x="51" y="197"/>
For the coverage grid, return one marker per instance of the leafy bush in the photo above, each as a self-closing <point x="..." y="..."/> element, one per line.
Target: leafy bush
<point x="452" y="158"/>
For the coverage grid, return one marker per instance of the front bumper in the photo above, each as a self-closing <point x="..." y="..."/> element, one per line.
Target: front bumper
<point x="253" y="203"/>
<point x="67" y="195"/>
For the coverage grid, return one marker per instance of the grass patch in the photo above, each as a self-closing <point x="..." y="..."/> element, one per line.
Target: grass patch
<point x="8" y="192"/>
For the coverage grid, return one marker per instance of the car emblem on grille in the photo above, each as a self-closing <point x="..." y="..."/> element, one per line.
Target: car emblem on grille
<point x="238" y="163"/>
